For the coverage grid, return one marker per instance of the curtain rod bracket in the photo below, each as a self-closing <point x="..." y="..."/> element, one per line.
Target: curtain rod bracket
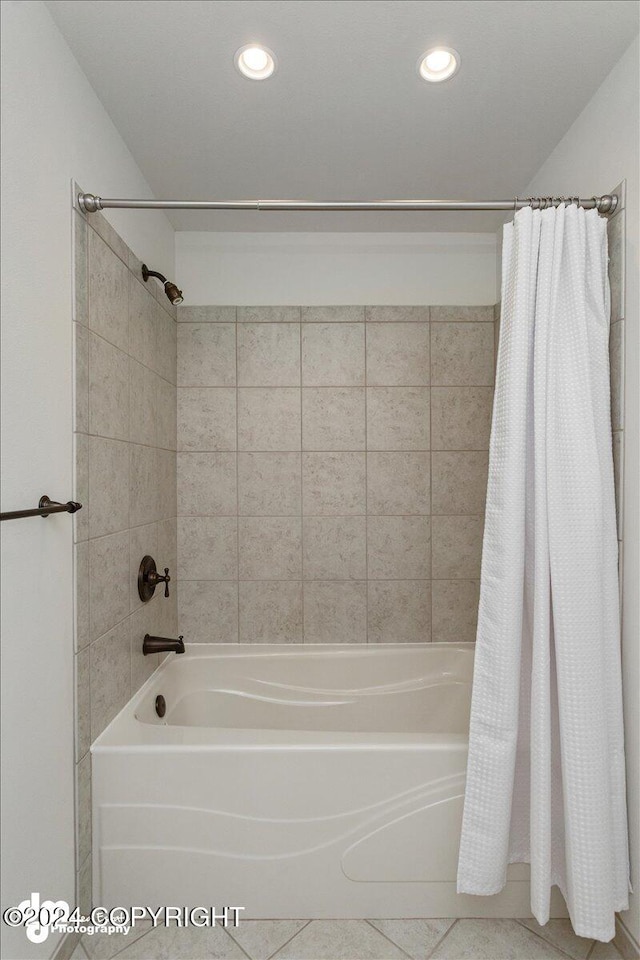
<point x="89" y="203"/>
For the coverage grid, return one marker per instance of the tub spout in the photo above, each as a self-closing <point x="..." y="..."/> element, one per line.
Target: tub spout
<point x="162" y="645"/>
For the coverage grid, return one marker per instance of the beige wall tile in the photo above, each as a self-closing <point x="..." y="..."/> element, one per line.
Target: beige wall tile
<point x="268" y="354"/>
<point x="397" y="354"/>
<point x="397" y="418"/>
<point x="616" y="354"/>
<point x="81" y="386"/>
<point x="110" y="676"/>
<point x="83" y="702"/>
<point x="167" y="346"/>
<point x="207" y="418"/>
<point x="455" y="314"/>
<point x="80" y="269"/>
<point x="333" y="314"/>
<point x="333" y="354"/>
<point x="454" y="613"/>
<point x="333" y="418"/>
<point x="459" y="482"/>
<point x="457" y="547"/>
<point x="268" y="314"/>
<point x="167" y="490"/>
<point x="334" y="548"/>
<point x="269" y="419"/>
<point x="143" y="327"/>
<point x="83" y="809"/>
<point x="167" y="614"/>
<point x="208" y="548"/>
<point x="80" y="519"/>
<point x="82" y="632"/>
<point x="399" y="611"/>
<point x="208" y="611"/>
<point x="398" y="483"/>
<point x="143" y="484"/>
<point x="207" y="484"/>
<point x="108" y="390"/>
<point x="461" y="418"/>
<point x="166" y="414"/>
<point x="270" y="548"/>
<point x="335" y="612"/>
<point x="108" y="293"/>
<point x="143" y="412"/>
<point x="270" y="612"/>
<point x="108" y="582"/>
<point x="144" y="620"/>
<point x="83" y="887"/>
<point x="399" y="548"/>
<point x="269" y="484"/>
<point x="333" y="484"/>
<point x="401" y="314"/>
<point x="616" y="234"/>
<point x="103" y="228"/>
<point x="207" y="314"/>
<point x="462" y="354"/>
<point x="168" y="545"/>
<point x="206" y="354"/>
<point x="109" y="486"/>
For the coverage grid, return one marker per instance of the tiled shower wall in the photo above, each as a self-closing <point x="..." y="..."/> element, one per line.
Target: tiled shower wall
<point x="332" y="467"/>
<point x="125" y="477"/>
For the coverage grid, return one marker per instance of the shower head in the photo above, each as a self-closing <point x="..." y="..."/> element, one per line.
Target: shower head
<point x="171" y="290"/>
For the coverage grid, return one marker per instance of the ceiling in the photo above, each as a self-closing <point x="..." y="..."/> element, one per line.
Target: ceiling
<point x="345" y="116"/>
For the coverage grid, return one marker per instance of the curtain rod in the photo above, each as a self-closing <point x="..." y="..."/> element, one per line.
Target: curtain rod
<point x="90" y="203"/>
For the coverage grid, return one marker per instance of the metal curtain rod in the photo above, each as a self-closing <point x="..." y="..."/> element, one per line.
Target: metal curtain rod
<point x="90" y="203"/>
<point x="44" y="508"/>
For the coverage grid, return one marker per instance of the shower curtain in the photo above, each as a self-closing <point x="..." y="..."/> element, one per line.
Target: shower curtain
<point x="545" y="776"/>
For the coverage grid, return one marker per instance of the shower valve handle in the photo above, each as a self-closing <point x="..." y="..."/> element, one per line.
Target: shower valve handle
<point x="149" y="578"/>
<point x="156" y="578"/>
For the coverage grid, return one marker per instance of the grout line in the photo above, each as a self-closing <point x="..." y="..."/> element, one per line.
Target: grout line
<point x="287" y="942"/>
<point x="141" y="937"/>
<point x="387" y="938"/>
<point x="442" y="939"/>
<point x="548" y="942"/>
<point x="237" y="944"/>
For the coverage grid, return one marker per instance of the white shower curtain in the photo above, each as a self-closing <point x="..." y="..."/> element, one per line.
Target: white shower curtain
<point x="545" y="776"/>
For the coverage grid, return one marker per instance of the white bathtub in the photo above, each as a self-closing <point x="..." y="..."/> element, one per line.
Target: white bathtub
<point x="312" y="781"/>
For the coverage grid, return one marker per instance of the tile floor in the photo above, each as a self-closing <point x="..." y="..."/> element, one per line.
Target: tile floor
<point x="352" y="940"/>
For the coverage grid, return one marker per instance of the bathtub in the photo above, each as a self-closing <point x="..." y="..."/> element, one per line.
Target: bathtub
<point x="294" y="781"/>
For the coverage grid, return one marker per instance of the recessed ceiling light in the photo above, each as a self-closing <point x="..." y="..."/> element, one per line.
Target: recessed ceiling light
<point x="255" y="62"/>
<point x="439" y="63"/>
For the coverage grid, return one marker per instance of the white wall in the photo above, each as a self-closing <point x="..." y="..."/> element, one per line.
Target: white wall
<point x="597" y="152"/>
<point x="54" y="128"/>
<point x="336" y="268"/>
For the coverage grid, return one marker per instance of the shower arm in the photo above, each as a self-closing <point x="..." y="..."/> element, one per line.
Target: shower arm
<point x="90" y="203"/>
